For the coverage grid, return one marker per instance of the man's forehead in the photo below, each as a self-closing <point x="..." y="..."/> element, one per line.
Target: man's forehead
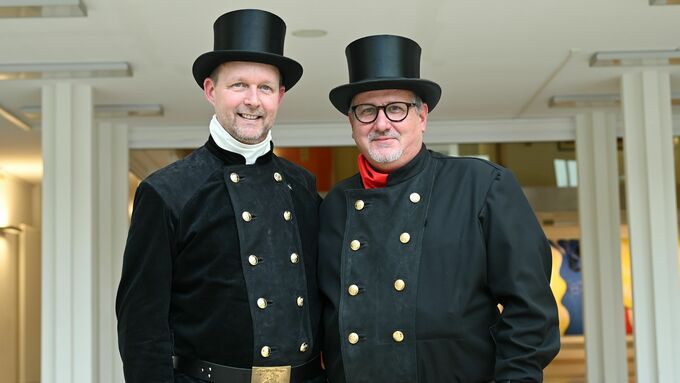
<point x="384" y="94"/>
<point x="241" y="68"/>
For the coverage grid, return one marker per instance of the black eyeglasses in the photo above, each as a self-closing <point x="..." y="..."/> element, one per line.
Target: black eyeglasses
<point x="394" y="111"/>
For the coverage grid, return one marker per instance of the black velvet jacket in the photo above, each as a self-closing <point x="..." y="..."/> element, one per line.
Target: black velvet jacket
<point x="190" y="285"/>
<point x="412" y="274"/>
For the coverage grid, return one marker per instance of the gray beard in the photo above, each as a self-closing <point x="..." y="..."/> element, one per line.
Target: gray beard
<point x="382" y="158"/>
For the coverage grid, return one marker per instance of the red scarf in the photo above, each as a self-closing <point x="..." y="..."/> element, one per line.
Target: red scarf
<point x="372" y="179"/>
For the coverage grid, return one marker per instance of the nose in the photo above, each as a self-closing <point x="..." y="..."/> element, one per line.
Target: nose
<point x="252" y="98"/>
<point x="381" y="122"/>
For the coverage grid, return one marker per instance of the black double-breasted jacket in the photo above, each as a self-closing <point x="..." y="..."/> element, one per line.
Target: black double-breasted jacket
<point x="220" y="265"/>
<point x="412" y="274"/>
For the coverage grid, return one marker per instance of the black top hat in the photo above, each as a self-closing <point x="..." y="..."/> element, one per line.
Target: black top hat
<point x="383" y="62"/>
<point x="249" y="35"/>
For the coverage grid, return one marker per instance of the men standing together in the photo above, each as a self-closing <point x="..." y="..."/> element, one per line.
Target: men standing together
<point x="221" y="281"/>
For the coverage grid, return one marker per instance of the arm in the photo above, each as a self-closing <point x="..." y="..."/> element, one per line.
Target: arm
<point x="519" y="266"/>
<point x="143" y="300"/>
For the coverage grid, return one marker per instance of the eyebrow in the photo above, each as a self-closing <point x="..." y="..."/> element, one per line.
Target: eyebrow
<point x="241" y="79"/>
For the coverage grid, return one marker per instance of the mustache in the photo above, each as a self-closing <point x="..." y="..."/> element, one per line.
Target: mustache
<point x="388" y="133"/>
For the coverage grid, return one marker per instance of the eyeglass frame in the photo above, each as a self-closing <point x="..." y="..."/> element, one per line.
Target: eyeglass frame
<point x="353" y="108"/>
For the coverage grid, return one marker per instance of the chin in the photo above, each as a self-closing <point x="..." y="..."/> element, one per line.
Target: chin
<point x="252" y="134"/>
<point x="385" y="157"/>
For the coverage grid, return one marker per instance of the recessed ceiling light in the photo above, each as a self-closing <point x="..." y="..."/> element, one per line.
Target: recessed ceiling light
<point x="636" y="58"/>
<point x="34" y="113"/>
<point x="595" y="100"/>
<point x="42" y="8"/>
<point x="31" y="71"/>
<point x="309" y="33"/>
<point x="585" y="101"/>
<point x="663" y="2"/>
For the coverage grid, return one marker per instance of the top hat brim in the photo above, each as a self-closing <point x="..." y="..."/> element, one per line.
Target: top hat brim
<point x="428" y="91"/>
<point x="205" y="64"/>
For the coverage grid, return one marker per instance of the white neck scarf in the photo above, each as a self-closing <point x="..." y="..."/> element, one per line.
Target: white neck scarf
<point x="225" y="141"/>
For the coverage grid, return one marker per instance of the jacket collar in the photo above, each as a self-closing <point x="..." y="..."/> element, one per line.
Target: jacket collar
<point x="411" y="169"/>
<point x="231" y="158"/>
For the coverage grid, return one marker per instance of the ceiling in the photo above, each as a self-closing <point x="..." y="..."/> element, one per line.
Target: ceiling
<point x="493" y="58"/>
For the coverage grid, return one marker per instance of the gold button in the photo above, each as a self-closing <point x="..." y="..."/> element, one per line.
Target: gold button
<point x="253" y="260"/>
<point x="414" y="197"/>
<point x="398" y="336"/>
<point x="234" y="178"/>
<point x="294" y="258"/>
<point x="278" y="177"/>
<point x="355" y="245"/>
<point x="261" y="303"/>
<point x="287" y="215"/>
<point x="304" y="346"/>
<point x="359" y="204"/>
<point x="246" y="216"/>
<point x="266" y="351"/>
<point x="353" y="290"/>
<point x="300" y="301"/>
<point x="353" y="338"/>
<point x="404" y="237"/>
<point x="399" y="285"/>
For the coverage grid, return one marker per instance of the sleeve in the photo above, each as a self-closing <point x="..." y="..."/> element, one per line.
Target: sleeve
<point x="143" y="299"/>
<point x="519" y="266"/>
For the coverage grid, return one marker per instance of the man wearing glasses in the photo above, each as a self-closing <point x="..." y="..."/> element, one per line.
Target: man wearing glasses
<point x="418" y="249"/>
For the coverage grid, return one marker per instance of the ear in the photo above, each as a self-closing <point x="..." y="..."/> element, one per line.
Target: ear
<point x="209" y="90"/>
<point x="422" y="116"/>
<point x="282" y="92"/>
<point x="349" y="118"/>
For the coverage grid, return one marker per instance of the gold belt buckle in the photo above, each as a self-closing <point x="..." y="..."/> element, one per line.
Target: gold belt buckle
<point x="277" y="374"/>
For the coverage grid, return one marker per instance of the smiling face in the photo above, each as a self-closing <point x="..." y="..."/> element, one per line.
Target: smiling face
<point x="246" y="97"/>
<point x="389" y="145"/>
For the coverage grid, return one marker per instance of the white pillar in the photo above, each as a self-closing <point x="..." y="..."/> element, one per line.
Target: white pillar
<point x="113" y="224"/>
<point x="652" y="221"/>
<point x="68" y="349"/>
<point x="598" y="197"/>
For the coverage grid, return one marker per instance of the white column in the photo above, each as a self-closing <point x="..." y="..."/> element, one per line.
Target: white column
<point x="652" y="220"/>
<point x="598" y="197"/>
<point x="113" y="223"/>
<point x="68" y="350"/>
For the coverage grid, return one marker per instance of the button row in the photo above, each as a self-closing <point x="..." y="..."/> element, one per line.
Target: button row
<point x="266" y="351"/>
<point x="253" y="260"/>
<point x="403" y="238"/>
<point x="262" y="303"/>
<point x="354" y="290"/>
<point x="247" y="216"/>
<point x="399" y="284"/>
<point x="397" y="336"/>
<point x="360" y="204"/>
<point x="235" y="178"/>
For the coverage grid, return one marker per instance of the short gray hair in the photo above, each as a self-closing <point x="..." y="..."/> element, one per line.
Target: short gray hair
<point x="418" y="101"/>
